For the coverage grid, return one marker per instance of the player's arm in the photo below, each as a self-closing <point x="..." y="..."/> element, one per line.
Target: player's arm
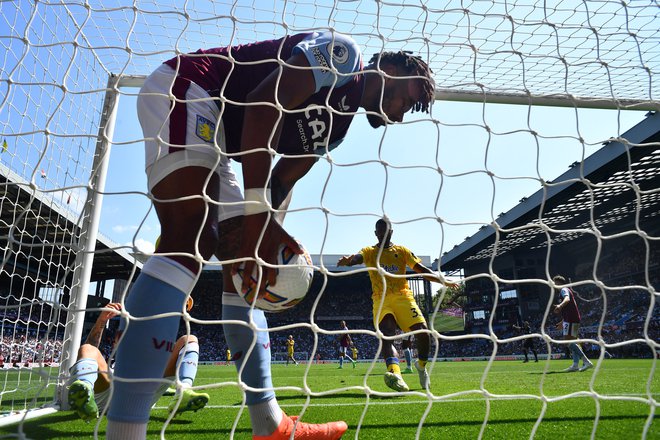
<point x="286" y="173"/>
<point x="350" y="260"/>
<point x="431" y="276"/>
<point x="564" y="301"/>
<point x="96" y="333"/>
<point x="287" y="87"/>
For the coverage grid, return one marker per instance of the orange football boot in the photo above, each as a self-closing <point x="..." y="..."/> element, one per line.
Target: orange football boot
<point x="305" y="431"/>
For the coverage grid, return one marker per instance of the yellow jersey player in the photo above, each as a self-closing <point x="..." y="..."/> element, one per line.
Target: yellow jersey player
<point x="399" y="308"/>
<point x="354" y="353"/>
<point x="228" y="354"/>
<point x="290" y="344"/>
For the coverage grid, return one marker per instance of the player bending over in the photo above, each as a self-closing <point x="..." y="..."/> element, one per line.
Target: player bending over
<point x="344" y="342"/>
<point x="294" y="97"/>
<point x="91" y="374"/>
<point x="570" y="324"/>
<point x="399" y="309"/>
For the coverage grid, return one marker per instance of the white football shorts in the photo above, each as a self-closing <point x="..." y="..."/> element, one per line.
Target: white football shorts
<point x="570" y="329"/>
<point x="188" y="133"/>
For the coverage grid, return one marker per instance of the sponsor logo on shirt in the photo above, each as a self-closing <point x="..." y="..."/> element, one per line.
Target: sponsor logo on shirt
<point x="339" y="52"/>
<point x="318" y="56"/>
<point x="391" y="268"/>
<point x="205" y="129"/>
<point x="342" y="104"/>
<point x="303" y="136"/>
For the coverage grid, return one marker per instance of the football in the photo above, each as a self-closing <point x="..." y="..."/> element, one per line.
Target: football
<point x="294" y="277"/>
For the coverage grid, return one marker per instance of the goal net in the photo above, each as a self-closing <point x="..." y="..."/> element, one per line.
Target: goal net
<point x="524" y="90"/>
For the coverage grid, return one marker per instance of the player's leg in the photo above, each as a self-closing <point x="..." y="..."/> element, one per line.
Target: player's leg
<point x="342" y="354"/>
<point x="179" y="164"/>
<point x="569" y="331"/>
<point x="388" y="327"/>
<point x="393" y="379"/>
<point x="89" y="376"/>
<point x="186" y="356"/>
<point x="422" y="341"/>
<point x="410" y="318"/>
<point x="524" y="350"/>
<point x="586" y="363"/>
<point x="531" y="347"/>
<point x="407" y="353"/>
<point x="252" y="357"/>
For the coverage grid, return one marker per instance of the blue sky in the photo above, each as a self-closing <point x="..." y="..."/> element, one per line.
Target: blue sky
<point x="438" y="177"/>
<point x="396" y="171"/>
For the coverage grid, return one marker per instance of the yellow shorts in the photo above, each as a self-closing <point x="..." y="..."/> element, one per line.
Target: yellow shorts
<point x="405" y="310"/>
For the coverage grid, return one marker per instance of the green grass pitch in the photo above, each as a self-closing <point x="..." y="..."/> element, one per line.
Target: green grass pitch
<point x="506" y="401"/>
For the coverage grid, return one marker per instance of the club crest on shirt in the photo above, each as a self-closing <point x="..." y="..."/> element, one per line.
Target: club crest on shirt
<point x="339" y="52"/>
<point x="205" y="129"/>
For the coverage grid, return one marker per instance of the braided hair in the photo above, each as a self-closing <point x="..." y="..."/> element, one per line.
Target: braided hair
<point x="411" y="65"/>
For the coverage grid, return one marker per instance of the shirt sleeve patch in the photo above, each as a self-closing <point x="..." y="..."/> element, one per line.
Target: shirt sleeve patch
<point x="327" y="50"/>
<point x="339" y="52"/>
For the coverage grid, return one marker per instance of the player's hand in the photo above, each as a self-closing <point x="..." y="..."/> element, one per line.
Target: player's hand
<point x="345" y="260"/>
<point x="107" y="314"/>
<point x="250" y="238"/>
<point x="556" y="310"/>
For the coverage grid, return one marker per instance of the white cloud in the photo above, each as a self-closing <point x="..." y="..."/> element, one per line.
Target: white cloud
<point x="120" y="229"/>
<point x="144" y="246"/>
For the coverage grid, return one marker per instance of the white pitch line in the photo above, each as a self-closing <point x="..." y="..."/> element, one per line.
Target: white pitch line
<point x="380" y="403"/>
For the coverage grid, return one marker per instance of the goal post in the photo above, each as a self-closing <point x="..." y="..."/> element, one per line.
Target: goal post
<point x="79" y="236"/>
<point x="87" y="242"/>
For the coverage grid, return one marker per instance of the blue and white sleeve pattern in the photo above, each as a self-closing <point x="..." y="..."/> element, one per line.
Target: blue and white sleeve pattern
<point x="346" y="58"/>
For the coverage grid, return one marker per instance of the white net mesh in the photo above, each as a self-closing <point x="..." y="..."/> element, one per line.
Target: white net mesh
<point x="57" y="56"/>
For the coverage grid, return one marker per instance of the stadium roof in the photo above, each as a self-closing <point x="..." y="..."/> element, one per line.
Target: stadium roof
<point x="612" y="190"/>
<point x="43" y="235"/>
<point x="329" y="261"/>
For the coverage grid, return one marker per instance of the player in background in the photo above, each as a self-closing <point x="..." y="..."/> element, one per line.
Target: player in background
<point x="199" y="110"/>
<point x="228" y="356"/>
<point x="344" y="342"/>
<point x="290" y="344"/>
<point x="90" y="388"/>
<point x="399" y="309"/>
<point x="354" y="353"/>
<point x="528" y="344"/>
<point x="406" y="345"/>
<point x="570" y="324"/>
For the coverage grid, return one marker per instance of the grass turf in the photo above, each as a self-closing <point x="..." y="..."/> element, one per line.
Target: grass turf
<point x="509" y="400"/>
